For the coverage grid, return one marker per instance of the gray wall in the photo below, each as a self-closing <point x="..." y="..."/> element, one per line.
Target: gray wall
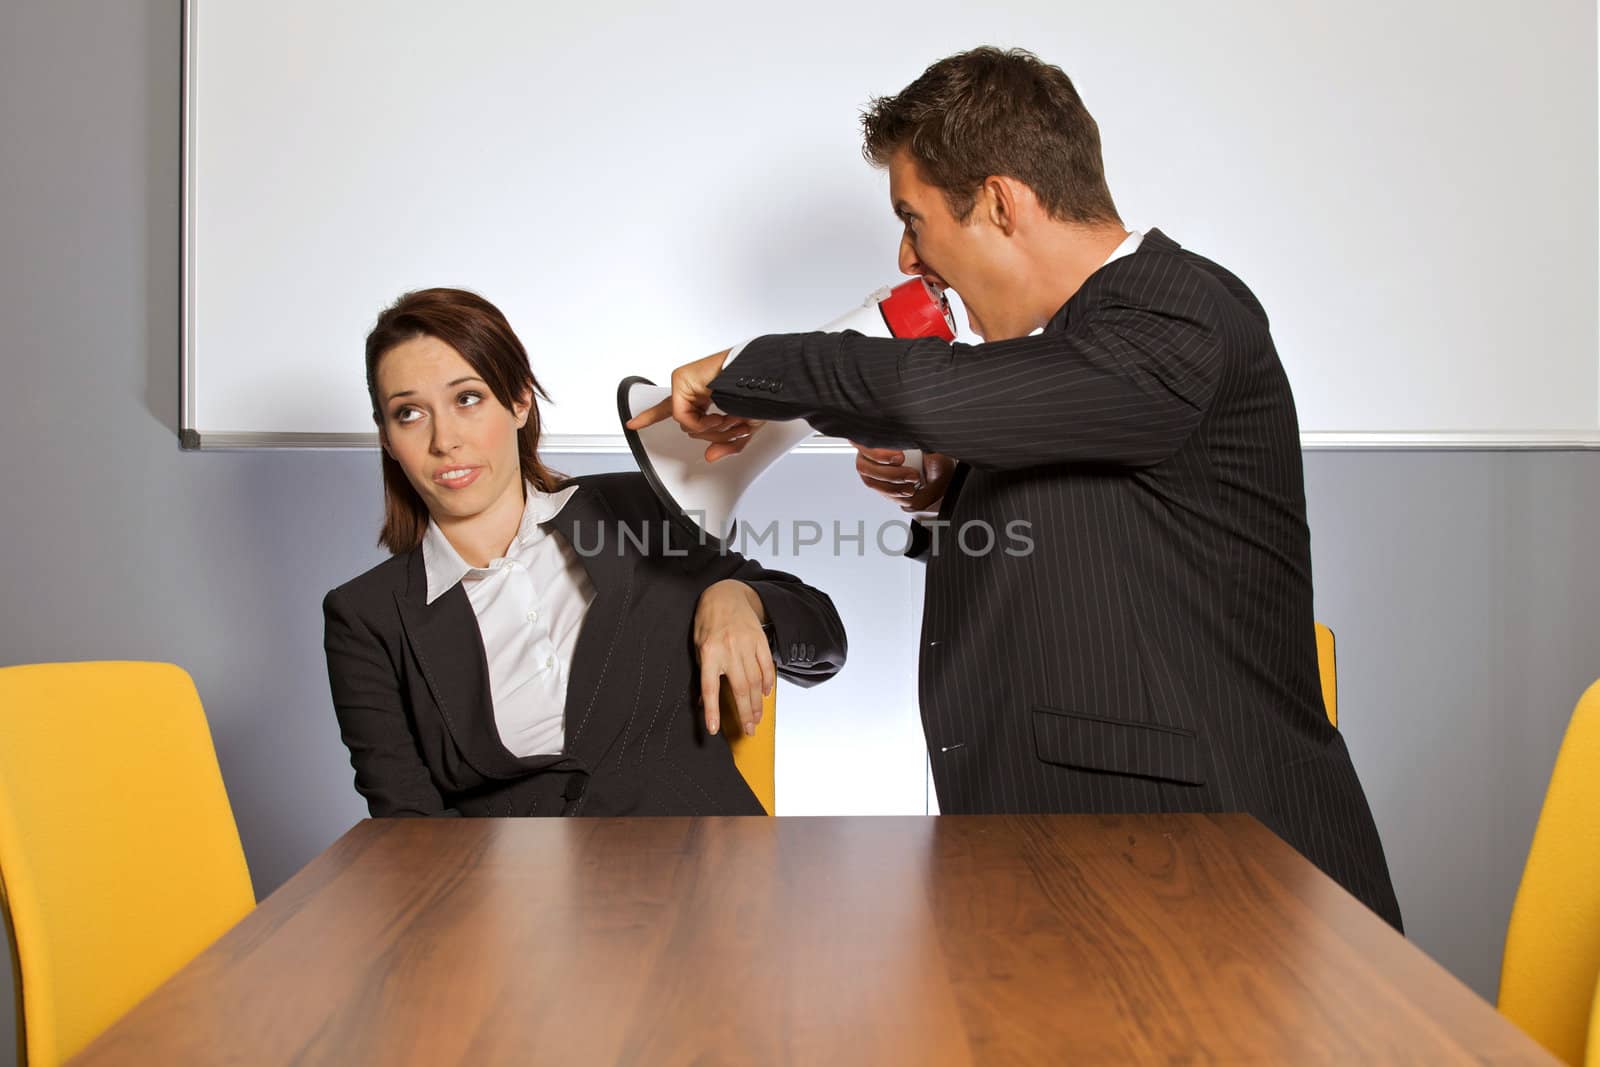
<point x="1463" y="587"/>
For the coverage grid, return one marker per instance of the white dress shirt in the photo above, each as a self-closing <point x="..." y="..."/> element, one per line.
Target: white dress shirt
<point x="1130" y="244"/>
<point x="530" y="603"/>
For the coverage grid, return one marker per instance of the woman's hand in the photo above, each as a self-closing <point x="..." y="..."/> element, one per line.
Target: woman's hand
<point x="729" y="642"/>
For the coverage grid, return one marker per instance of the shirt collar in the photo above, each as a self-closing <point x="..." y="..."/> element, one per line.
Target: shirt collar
<point x="443" y="564"/>
<point x="1130" y="245"/>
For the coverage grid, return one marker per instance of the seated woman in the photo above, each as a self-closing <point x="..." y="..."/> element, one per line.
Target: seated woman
<point x="535" y="646"/>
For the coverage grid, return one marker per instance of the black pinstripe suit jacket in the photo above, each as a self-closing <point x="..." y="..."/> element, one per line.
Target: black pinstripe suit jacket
<point x="411" y="684"/>
<point x="1152" y="648"/>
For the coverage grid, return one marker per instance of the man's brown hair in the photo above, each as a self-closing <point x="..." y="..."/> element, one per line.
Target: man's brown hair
<point x="995" y="112"/>
<point x="478" y="331"/>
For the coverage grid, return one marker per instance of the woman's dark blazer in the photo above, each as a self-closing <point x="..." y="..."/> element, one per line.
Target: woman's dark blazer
<point x="411" y="684"/>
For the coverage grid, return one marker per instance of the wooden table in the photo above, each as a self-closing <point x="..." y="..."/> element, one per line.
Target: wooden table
<point x="830" y="941"/>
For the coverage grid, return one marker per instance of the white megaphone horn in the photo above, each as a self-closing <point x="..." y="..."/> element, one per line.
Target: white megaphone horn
<point x="706" y="495"/>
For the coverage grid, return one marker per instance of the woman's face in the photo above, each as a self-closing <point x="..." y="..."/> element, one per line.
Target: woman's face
<point x="455" y="441"/>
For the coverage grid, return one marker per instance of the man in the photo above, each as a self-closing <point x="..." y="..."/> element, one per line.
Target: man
<point x="1153" y="648"/>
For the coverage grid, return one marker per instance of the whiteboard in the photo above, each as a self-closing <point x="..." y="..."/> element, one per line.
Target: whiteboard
<point x="1410" y="188"/>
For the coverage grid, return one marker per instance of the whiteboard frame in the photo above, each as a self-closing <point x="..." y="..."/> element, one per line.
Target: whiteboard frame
<point x="602" y="444"/>
<point x="189" y="436"/>
<point x="192" y="438"/>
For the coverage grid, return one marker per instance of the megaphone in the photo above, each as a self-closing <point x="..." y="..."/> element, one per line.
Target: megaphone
<point x="706" y="495"/>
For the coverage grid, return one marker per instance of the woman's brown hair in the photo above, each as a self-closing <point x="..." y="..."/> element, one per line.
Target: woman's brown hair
<point x="478" y="331"/>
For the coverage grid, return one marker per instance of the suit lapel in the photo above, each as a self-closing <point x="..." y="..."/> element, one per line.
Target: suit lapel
<point x="445" y="640"/>
<point x="958" y="478"/>
<point x="592" y="529"/>
<point x="1156" y="241"/>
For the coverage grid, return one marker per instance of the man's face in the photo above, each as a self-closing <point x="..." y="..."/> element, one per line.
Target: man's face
<point x="973" y="257"/>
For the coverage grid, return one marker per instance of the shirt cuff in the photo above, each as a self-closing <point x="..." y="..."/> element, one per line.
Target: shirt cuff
<point x="733" y="353"/>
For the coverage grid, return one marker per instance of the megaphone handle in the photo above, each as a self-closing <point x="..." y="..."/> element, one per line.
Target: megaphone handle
<point x="914" y="460"/>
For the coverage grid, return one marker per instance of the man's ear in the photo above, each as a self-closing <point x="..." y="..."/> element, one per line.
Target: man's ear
<point x="1001" y="197"/>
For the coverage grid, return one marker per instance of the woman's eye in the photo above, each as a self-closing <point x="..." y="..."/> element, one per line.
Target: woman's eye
<point x="405" y="415"/>
<point x="469" y="399"/>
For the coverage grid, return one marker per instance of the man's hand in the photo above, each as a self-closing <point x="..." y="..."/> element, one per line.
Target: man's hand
<point x="689" y="404"/>
<point x="883" y="470"/>
<point x="729" y="641"/>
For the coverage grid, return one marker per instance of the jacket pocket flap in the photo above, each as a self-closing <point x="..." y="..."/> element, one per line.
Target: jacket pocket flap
<point x="1093" y="743"/>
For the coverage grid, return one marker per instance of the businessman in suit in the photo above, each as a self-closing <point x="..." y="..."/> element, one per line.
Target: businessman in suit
<point x="1153" y="648"/>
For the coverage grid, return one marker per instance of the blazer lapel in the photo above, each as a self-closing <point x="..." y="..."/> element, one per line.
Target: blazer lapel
<point x="593" y="531"/>
<point x="444" y="639"/>
<point x="1156" y="241"/>
<point x="958" y="478"/>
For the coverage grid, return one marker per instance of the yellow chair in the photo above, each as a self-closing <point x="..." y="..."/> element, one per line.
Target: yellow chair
<point x="1552" y="956"/>
<point x="1328" y="667"/>
<point x="119" y="857"/>
<point x="1594" y="1029"/>
<point x="755" y="756"/>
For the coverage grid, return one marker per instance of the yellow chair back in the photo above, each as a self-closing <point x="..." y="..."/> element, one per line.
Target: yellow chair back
<point x="1328" y="667"/>
<point x="1552" y="957"/>
<point x="1594" y="1028"/>
<point x="756" y="757"/>
<point x="119" y="857"/>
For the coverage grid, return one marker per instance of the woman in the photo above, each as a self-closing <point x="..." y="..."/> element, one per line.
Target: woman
<point x="535" y="645"/>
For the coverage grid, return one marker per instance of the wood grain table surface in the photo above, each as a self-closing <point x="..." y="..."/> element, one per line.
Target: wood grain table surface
<point x="830" y="941"/>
